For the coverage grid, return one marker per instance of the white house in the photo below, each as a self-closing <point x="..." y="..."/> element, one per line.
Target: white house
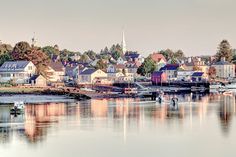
<point x="17" y="71"/>
<point x="89" y="76"/>
<point x="184" y="75"/>
<point x="224" y="69"/>
<point x="111" y="68"/>
<point x="56" y="72"/>
<point x="121" y="60"/>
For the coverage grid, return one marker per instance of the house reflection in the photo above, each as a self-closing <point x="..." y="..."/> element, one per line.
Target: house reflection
<point x="39" y="117"/>
<point x="226" y="111"/>
<point x="119" y="114"/>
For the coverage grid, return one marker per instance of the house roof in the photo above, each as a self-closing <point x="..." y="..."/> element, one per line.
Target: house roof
<point x="170" y="67"/>
<point x="157" y="57"/>
<point x="197" y="74"/>
<point x="132" y="55"/>
<point x="120" y="66"/>
<point x="34" y="77"/>
<point x="57" y="66"/>
<point x="157" y="73"/>
<point x="222" y="63"/>
<point x="88" y="71"/>
<point x="14" y="66"/>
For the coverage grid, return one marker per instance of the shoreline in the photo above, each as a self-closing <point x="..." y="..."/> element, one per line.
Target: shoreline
<point x="8" y="91"/>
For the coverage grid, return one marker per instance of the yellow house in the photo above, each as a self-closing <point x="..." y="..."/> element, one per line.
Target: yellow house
<point x="88" y="76"/>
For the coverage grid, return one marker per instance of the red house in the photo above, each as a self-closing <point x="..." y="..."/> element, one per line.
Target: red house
<point x="158" y="77"/>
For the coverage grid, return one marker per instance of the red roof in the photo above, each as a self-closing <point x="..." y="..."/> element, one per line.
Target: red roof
<point x="157" y="57"/>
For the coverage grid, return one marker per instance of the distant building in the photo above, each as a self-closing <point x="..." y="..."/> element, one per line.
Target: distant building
<point x="111" y="68"/>
<point x="89" y="76"/>
<point x="158" y="77"/>
<point x="38" y="80"/>
<point x="17" y="71"/>
<point x="138" y="59"/>
<point x="56" y="72"/>
<point x="224" y="69"/>
<point x="121" y="60"/>
<point x="171" y="71"/>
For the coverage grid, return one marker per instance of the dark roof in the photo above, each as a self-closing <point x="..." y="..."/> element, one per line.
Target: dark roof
<point x="88" y="71"/>
<point x="57" y="66"/>
<point x="34" y="77"/>
<point x="222" y="63"/>
<point x="132" y="55"/>
<point x="14" y="66"/>
<point x="170" y="67"/>
<point x="157" y="73"/>
<point x="197" y="73"/>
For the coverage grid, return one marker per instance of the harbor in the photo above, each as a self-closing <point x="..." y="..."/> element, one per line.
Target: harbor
<point x="127" y="122"/>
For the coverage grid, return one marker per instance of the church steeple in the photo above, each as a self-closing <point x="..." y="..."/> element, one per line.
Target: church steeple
<point x="123" y="44"/>
<point x="33" y="41"/>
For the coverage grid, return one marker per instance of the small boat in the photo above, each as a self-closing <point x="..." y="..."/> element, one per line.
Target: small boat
<point x="228" y="93"/>
<point x="18" y="107"/>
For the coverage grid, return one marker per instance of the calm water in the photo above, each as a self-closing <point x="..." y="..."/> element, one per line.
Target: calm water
<point x="202" y="126"/>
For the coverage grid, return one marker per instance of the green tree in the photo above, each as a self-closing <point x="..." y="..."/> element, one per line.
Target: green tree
<point x="91" y="54"/>
<point x="101" y="64"/>
<point x="50" y="50"/>
<point x="116" y="51"/>
<point x="147" y="67"/>
<point x="5" y="48"/>
<point x="179" y="54"/>
<point x="224" y="50"/>
<point x="5" y="57"/>
<point x="84" y="58"/>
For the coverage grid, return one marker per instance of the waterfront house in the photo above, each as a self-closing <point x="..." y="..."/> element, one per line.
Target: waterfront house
<point x="158" y="77"/>
<point x="171" y="71"/>
<point x="196" y="64"/>
<point x="38" y="80"/>
<point x="197" y="76"/>
<point x="90" y="75"/>
<point x="56" y="72"/>
<point x="224" y="69"/>
<point x="184" y="75"/>
<point x="17" y="71"/>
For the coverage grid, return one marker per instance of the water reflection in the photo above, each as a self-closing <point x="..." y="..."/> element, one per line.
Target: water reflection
<point x="120" y="115"/>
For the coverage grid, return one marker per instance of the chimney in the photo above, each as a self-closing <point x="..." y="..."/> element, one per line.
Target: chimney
<point x="222" y="59"/>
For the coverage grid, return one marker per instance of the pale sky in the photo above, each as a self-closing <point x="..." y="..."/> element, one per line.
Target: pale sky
<point x="195" y="26"/>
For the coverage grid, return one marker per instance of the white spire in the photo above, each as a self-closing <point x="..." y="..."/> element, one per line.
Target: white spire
<point x="123" y="44"/>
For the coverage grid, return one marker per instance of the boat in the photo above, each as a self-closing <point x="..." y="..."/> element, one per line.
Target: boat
<point x="18" y="107"/>
<point x="228" y="93"/>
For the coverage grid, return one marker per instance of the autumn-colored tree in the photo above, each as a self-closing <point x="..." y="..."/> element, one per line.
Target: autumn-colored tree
<point x="23" y="51"/>
<point x="224" y="50"/>
<point x="212" y="72"/>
